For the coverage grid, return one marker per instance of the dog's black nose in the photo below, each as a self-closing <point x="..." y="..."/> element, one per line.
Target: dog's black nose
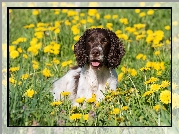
<point x="95" y="52"/>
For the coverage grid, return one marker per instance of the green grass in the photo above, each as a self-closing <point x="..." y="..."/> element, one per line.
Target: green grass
<point x="24" y="111"/>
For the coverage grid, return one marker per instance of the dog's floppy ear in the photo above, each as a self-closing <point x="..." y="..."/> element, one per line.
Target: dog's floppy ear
<point x="80" y="49"/>
<point x="116" y="51"/>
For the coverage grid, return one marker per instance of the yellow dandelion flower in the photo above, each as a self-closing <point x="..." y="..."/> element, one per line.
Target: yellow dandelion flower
<point x="120" y="76"/>
<point x="35" y="65"/>
<point x="165" y="84"/>
<point x="71" y="13"/>
<point x="65" y="63"/>
<point x="12" y="80"/>
<point x="121" y="119"/>
<point x="11" y="48"/>
<point x="57" y="30"/>
<point x="82" y="14"/>
<point x="147" y="93"/>
<point x="162" y="65"/>
<point x="155" y="87"/>
<point x="39" y="35"/>
<point x="139" y="56"/>
<point x="97" y="104"/>
<point x="14" y="69"/>
<point x="29" y="26"/>
<point x="56" y="103"/>
<point x="157" y="53"/>
<point x="46" y="72"/>
<point x="19" y="50"/>
<point x="91" y="100"/>
<point x="48" y="64"/>
<point x="41" y="24"/>
<point x="156" y="108"/>
<point x="21" y="39"/>
<point x="115" y="111"/>
<point x="93" y="95"/>
<point x="92" y="12"/>
<point x="29" y="93"/>
<point x="168" y="42"/>
<point x="35" y="12"/>
<point x="165" y="96"/>
<point x="108" y="16"/>
<point x="97" y="16"/>
<point x="123" y="36"/>
<point x="124" y="108"/>
<point x="124" y="69"/>
<point x="76" y="116"/>
<point x="33" y="50"/>
<point x="65" y="93"/>
<point x="115" y="93"/>
<point x="47" y="49"/>
<point x="52" y="113"/>
<point x="80" y="100"/>
<point x="167" y="27"/>
<point x="75" y="29"/>
<point x="14" y="54"/>
<point x="115" y="16"/>
<point x="25" y="56"/>
<point x="56" y="12"/>
<point x="83" y="21"/>
<point x="137" y="10"/>
<point x="133" y="72"/>
<point x="76" y="18"/>
<point x="159" y="73"/>
<point x="124" y="21"/>
<point x="130" y="29"/>
<point x="107" y="85"/>
<point x="76" y="38"/>
<point x="85" y="117"/>
<point x="67" y="23"/>
<point x="144" y="57"/>
<point x="109" y="25"/>
<point x="64" y="10"/>
<point x="118" y="32"/>
<point x="24" y="76"/>
<point x="150" y="12"/>
<point x="142" y="14"/>
<point x="144" y="69"/>
<point x="151" y="80"/>
<point x="57" y="23"/>
<point x="55" y="61"/>
<point x="156" y="66"/>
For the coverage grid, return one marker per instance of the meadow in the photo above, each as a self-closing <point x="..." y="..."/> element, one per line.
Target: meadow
<point x="41" y="44"/>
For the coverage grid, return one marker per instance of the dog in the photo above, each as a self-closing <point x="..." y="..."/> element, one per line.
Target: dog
<point x="98" y="52"/>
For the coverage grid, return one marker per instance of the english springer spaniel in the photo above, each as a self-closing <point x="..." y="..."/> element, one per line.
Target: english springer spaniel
<point x="98" y="52"/>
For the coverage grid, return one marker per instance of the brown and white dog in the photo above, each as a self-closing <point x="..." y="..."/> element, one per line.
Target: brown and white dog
<point x="98" y="52"/>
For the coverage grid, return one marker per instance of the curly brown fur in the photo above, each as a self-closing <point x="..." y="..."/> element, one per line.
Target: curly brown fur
<point x="116" y="52"/>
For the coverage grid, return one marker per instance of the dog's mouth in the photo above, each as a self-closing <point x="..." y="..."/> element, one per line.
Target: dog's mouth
<point x="96" y="63"/>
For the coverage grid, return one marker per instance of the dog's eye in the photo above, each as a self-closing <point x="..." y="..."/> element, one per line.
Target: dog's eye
<point x="104" y="41"/>
<point x="90" y="40"/>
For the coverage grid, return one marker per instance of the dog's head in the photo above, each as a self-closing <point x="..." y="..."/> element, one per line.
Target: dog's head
<point x="99" y="47"/>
